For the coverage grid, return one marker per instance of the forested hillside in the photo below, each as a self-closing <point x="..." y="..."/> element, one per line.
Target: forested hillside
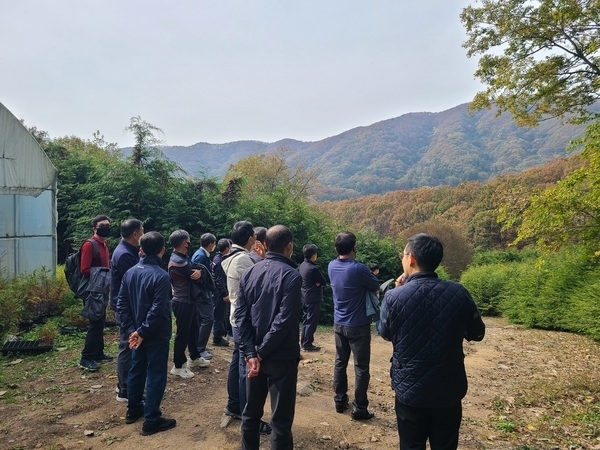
<point x="410" y="151"/>
<point x="471" y="210"/>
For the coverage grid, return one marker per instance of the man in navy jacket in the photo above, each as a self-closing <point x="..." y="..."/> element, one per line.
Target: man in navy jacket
<point x="268" y="318"/>
<point x="144" y="308"/>
<point x="427" y="319"/>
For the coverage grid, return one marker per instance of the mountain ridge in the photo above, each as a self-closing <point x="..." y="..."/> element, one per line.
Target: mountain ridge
<point x="405" y="152"/>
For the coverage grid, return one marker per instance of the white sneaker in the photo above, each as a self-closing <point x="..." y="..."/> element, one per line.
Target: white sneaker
<point x="183" y="372"/>
<point x="198" y="362"/>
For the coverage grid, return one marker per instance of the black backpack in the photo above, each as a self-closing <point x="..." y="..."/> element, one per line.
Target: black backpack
<point x="72" y="264"/>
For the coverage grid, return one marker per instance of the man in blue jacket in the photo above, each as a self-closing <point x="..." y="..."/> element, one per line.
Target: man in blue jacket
<point x="124" y="257"/>
<point x="268" y="318"/>
<point x="144" y="308"/>
<point x="427" y="319"/>
<point x="350" y="280"/>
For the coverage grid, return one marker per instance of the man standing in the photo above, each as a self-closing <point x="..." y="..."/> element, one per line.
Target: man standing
<point x="258" y="250"/>
<point x="350" y="280"/>
<point x="206" y="303"/>
<point x="145" y="311"/>
<point x="95" y="255"/>
<point x="312" y="297"/>
<point x="268" y="315"/>
<point x="186" y="317"/>
<point x="427" y="319"/>
<point x="125" y="256"/>
<point x="221" y="295"/>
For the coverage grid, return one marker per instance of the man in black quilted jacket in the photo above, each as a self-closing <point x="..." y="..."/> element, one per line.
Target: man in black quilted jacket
<point x="427" y="319"/>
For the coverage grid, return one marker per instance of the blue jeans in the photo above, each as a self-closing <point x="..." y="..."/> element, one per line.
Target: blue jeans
<point x="355" y="340"/>
<point x="440" y="425"/>
<point x="149" y="369"/>
<point x="278" y="379"/>
<point x="236" y="378"/>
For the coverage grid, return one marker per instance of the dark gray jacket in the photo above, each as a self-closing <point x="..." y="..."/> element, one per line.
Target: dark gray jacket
<point x="427" y="319"/>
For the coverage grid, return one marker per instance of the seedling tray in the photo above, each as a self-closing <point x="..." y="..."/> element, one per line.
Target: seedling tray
<point x="25" y="347"/>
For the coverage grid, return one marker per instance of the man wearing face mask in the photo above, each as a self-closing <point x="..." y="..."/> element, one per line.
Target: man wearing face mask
<point x="186" y="317"/>
<point x="124" y="257"/>
<point x="95" y="255"/>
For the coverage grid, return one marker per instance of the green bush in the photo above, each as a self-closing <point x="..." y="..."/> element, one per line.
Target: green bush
<point x="487" y="284"/>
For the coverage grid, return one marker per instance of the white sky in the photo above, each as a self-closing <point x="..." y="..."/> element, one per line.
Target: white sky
<point x="222" y="71"/>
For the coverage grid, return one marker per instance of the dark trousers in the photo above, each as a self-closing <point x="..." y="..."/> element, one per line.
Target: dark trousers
<point x="236" y="378"/>
<point x="440" y="425"/>
<point x="205" y="322"/>
<point x="123" y="359"/>
<point x="355" y="340"/>
<point x="149" y="369"/>
<point x="219" y="319"/>
<point x="311" y="313"/>
<point x="186" y="336"/>
<point x="278" y="379"/>
<point x="93" y="349"/>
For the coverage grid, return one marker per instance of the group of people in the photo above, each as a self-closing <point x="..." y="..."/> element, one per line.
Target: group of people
<point x="274" y="308"/>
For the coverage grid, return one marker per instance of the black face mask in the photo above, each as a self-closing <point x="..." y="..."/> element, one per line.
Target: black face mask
<point x="103" y="231"/>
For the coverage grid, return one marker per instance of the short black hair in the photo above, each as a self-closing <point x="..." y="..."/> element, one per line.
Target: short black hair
<point x="277" y="238"/>
<point x="130" y="226"/>
<point x="345" y="242"/>
<point x="373" y="266"/>
<point x="98" y="218"/>
<point x="206" y="239"/>
<point x="309" y="250"/>
<point x="427" y="250"/>
<point x="152" y="243"/>
<point x="223" y="244"/>
<point x="242" y="232"/>
<point x="260" y="233"/>
<point x="177" y="237"/>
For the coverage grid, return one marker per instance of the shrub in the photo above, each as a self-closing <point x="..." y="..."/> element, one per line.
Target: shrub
<point x="487" y="285"/>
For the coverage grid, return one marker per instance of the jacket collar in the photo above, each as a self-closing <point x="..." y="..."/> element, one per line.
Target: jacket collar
<point x="282" y="258"/>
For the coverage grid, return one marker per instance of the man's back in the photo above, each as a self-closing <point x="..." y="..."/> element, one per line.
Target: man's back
<point x="349" y="281"/>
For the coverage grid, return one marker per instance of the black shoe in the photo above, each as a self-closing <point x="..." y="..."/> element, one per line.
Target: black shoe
<point x="221" y="343"/>
<point x="133" y="415"/>
<point x="341" y="407"/>
<point x="362" y="415"/>
<point x="105" y="358"/>
<point x="233" y="415"/>
<point x="264" y="428"/>
<point x="311" y="348"/>
<point x="162" y="425"/>
<point x="89" y="365"/>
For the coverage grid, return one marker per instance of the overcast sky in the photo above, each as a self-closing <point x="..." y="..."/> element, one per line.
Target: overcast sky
<point x="222" y="71"/>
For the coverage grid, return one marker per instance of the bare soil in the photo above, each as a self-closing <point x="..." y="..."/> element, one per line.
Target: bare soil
<point x="70" y="409"/>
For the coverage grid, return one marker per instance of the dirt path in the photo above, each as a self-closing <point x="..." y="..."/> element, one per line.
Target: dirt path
<point x="56" y="413"/>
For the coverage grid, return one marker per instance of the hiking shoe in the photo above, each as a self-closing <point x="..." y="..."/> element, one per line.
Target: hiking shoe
<point x="311" y="348"/>
<point x="362" y="415"/>
<point x="183" y="372"/>
<point x="233" y="415"/>
<point x="264" y="428"/>
<point x="161" y="424"/>
<point x="198" y="362"/>
<point x="221" y="342"/>
<point x="89" y="365"/>
<point x="133" y="415"/>
<point x="121" y="397"/>
<point x="206" y="355"/>
<point x="341" y="407"/>
<point x="105" y="358"/>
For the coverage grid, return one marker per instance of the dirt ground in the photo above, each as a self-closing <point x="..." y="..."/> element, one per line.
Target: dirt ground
<point x="78" y="411"/>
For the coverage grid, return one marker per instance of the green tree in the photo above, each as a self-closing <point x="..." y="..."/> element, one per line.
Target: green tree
<point x="538" y="58"/>
<point x="146" y="141"/>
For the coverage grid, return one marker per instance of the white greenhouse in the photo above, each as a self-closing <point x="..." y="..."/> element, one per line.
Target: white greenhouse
<point x="28" y="214"/>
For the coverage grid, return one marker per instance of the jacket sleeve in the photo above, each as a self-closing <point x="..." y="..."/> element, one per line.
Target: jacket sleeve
<point x="475" y="330"/>
<point x="383" y="326"/>
<point x="124" y="310"/>
<point x="243" y="322"/>
<point x="287" y="318"/>
<point x="160" y="302"/>
<point x="317" y="277"/>
<point x="220" y="280"/>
